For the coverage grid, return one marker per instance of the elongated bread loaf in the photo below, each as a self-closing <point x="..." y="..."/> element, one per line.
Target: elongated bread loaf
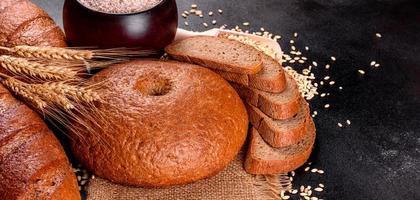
<point x="33" y="164"/>
<point x="24" y="23"/>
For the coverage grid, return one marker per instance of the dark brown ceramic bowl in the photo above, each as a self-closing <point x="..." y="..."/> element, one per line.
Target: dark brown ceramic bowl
<point x="150" y="29"/>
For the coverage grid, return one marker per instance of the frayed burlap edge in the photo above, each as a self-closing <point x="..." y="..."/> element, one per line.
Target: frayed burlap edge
<point x="269" y="187"/>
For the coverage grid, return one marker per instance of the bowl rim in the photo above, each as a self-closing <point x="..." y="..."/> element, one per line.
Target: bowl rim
<point x="119" y="14"/>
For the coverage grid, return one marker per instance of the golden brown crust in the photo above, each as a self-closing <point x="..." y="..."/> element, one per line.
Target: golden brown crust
<point x="33" y="164"/>
<point x="172" y="123"/>
<point x="256" y="165"/>
<point x="17" y="26"/>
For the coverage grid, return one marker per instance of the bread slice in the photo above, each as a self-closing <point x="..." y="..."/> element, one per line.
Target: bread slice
<point x="282" y="105"/>
<point x="280" y="133"/>
<point x="264" y="159"/>
<point x="271" y="78"/>
<point x="217" y="53"/>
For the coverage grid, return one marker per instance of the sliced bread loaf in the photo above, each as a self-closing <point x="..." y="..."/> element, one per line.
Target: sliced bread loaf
<point x="282" y="105"/>
<point x="264" y="159"/>
<point x="280" y="133"/>
<point x="271" y="78"/>
<point x="217" y="53"/>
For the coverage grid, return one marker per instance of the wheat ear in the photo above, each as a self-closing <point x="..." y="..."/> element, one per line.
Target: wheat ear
<point x="50" y="52"/>
<point x="23" y="67"/>
<point x="76" y="93"/>
<point x="25" y="91"/>
<point x="58" y="53"/>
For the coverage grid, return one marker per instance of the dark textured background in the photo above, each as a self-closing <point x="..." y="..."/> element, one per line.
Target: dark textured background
<point x="378" y="155"/>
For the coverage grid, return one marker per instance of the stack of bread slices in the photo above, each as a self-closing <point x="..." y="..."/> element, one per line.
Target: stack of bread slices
<point x="283" y="133"/>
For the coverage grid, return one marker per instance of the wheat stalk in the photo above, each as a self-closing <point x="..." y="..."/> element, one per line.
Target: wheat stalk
<point x="32" y="69"/>
<point x="59" y="53"/>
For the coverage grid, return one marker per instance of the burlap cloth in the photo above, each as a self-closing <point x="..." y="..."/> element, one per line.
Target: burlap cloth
<point x="231" y="184"/>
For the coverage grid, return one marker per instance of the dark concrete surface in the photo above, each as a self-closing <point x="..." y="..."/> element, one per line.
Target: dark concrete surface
<point x="378" y="155"/>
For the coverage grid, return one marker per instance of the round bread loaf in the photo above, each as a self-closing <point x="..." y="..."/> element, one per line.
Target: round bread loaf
<point x="167" y="123"/>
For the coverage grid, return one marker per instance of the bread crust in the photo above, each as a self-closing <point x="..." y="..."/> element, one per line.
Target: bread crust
<point x="188" y="133"/>
<point x="33" y="164"/>
<point x="255" y="165"/>
<point x="211" y="63"/>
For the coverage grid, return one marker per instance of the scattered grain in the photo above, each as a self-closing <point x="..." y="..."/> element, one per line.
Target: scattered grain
<point x="361" y="71"/>
<point x="214" y="22"/>
<point x="340" y="88"/>
<point x="323" y="95"/>
<point x="314" y="170"/>
<point x="306" y="48"/>
<point x="321" y="185"/>
<point x="377" y="65"/>
<point x="315" y="64"/>
<point x="194" y="6"/>
<point x="332" y="82"/>
<point x="294" y="191"/>
<point x="348" y="122"/>
<point x="327" y="66"/>
<point x="186" y="23"/>
<point x="372" y="63"/>
<point x="326" y="105"/>
<point x="333" y="58"/>
<point x="340" y="125"/>
<point x="295" y="35"/>
<point x="321" y="171"/>
<point x="220" y="11"/>
<point x="327" y="78"/>
<point x="318" y="189"/>
<point x="205" y="24"/>
<point x="246" y="23"/>
<point x="378" y="35"/>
